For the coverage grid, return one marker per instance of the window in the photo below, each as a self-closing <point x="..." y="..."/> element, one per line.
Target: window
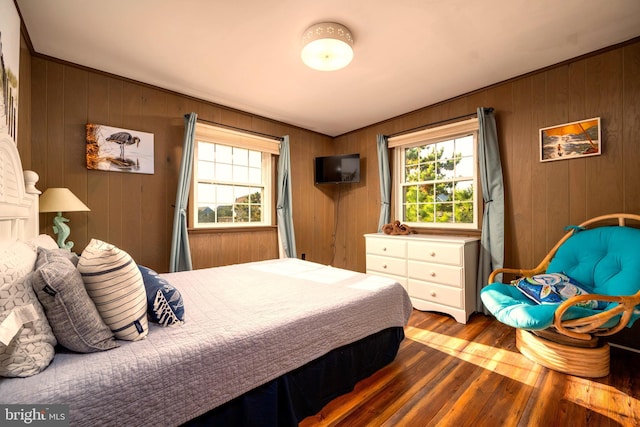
<point x="232" y="178"/>
<point x="436" y="176"/>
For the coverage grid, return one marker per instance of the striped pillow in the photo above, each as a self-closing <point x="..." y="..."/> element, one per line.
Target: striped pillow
<point x="115" y="285"/>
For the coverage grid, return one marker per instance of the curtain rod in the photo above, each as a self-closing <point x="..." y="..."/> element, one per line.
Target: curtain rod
<point x="265" y="135"/>
<point x="432" y="124"/>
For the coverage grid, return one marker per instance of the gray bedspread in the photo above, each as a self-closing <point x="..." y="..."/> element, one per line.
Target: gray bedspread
<point x="245" y="325"/>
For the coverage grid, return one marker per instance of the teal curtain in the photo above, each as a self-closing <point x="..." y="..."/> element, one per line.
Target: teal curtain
<point x="492" y="238"/>
<point x="385" y="182"/>
<point x="180" y="252"/>
<point x="284" y="210"/>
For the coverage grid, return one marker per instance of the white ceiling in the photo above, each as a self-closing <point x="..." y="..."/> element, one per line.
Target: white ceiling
<point x="245" y="54"/>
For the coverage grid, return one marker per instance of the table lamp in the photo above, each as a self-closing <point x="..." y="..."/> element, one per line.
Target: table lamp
<point x="61" y="200"/>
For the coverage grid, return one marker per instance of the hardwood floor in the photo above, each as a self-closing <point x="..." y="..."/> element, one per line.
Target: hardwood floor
<point x="449" y="374"/>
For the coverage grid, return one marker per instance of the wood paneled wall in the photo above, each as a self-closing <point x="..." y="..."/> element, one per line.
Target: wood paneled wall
<point x="135" y="211"/>
<point x="540" y="198"/>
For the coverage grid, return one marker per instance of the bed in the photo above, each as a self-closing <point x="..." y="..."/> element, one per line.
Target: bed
<point x="264" y="343"/>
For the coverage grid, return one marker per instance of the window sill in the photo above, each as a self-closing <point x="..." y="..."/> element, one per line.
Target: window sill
<point x="447" y="231"/>
<point x="215" y="230"/>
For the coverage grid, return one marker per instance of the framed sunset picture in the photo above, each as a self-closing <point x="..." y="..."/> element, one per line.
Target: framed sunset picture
<point x="571" y="140"/>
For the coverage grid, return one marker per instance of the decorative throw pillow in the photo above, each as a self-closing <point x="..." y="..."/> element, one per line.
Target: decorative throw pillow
<point x="68" y="255"/>
<point x="164" y="302"/>
<point x="26" y="342"/>
<point x="72" y="315"/>
<point x="16" y="260"/>
<point x="114" y="283"/>
<point x="43" y="241"/>
<point x="554" y="288"/>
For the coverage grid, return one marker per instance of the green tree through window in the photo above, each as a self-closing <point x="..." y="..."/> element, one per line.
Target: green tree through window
<point x="249" y="208"/>
<point x="438" y="184"/>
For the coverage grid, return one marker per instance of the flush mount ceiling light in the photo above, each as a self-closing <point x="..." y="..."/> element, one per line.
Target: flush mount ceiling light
<point x="327" y="46"/>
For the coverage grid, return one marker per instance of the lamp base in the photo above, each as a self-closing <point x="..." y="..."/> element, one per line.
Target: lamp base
<point x="62" y="231"/>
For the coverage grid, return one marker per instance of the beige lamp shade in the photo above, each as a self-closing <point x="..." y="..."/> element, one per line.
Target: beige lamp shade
<point x="61" y="200"/>
<point x="327" y="46"/>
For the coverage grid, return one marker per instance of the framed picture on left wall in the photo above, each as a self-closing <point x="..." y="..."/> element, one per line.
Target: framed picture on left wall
<point x="9" y="68"/>
<point x="119" y="150"/>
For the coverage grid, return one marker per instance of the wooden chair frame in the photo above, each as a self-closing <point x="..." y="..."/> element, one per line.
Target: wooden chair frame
<point x="589" y="327"/>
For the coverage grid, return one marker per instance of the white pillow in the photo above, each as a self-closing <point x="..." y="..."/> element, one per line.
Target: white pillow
<point x="17" y="259"/>
<point x="31" y="349"/>
<point x="43" y="241"/>
<point x="115" y="285"/>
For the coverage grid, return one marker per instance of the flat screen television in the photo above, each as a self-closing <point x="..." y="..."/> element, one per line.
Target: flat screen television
<point x="338" y="169"/>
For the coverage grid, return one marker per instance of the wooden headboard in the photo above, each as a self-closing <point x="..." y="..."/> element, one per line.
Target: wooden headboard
<point x="18" y="195"/>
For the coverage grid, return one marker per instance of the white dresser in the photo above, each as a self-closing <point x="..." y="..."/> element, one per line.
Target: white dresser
<point x="438" y="272"/>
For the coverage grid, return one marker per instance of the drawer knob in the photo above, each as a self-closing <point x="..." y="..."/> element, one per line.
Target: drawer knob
<point x="433" y="294"/>
<point x="384" y="249"/>
<point x="384" y="265"/>
<point x="433" y="274"/>
<point x="432" y="254"/>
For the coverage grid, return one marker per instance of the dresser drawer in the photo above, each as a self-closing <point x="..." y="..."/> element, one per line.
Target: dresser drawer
<point x="387" y="265"/>
<point x="435" y="293"/>
<point x="437" y="252"/>
<point x="438" y="271"/>
<point x="443" y="274"/>
<point x="387" y="247"/>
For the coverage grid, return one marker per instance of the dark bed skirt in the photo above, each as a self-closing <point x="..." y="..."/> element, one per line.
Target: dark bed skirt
<point x="289" y="399"/>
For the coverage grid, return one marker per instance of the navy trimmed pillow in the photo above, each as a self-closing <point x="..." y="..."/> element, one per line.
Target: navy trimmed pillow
<point x="164" y="302"/>
<point x="554" y="288"/>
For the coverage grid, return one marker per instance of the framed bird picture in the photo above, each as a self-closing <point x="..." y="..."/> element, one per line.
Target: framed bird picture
<point x="119" y="150"/>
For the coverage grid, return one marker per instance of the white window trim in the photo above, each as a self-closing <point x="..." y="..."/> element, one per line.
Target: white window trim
<point x="432" y="136"/>
<point x="224" y="136"/>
